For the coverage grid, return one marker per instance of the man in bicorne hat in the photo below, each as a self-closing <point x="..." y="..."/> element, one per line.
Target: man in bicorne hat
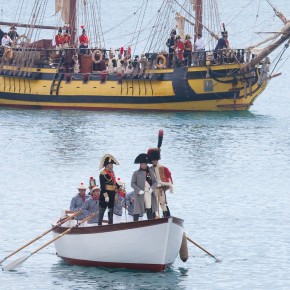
<point x="13" y="33"/>
<point x="163" y="176"/>
<point x="78" y="200"/>
<point x="144" y="182"/>
<point x="108" y="187"/>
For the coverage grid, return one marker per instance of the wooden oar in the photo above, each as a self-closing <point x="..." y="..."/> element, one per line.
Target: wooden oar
<point x="42" y="235"/>
<point x="21" y="260"/>
<point x="199" y="246"/>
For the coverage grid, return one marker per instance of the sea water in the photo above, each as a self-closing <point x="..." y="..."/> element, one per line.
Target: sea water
<point x="231" y="187"/>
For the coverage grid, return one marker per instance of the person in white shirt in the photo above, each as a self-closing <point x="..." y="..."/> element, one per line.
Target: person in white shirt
<point x="199" y="46"/>
<point x="6" y="40"/>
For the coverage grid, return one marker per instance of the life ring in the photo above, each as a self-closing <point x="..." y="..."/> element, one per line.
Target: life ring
<point x="160" y="61"/>
<point x="22" y="39"/>
<point x="97" y="56"/>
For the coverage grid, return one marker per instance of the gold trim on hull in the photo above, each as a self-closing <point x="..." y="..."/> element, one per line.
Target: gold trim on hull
<point x="207" y="94"/>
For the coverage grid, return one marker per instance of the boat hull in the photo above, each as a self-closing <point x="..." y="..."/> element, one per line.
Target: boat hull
<point x="144" y="245"/>
<point x="179" y="89"/>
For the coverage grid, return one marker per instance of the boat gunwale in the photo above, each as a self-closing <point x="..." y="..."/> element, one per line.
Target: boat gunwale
<point x="118" y="227"/>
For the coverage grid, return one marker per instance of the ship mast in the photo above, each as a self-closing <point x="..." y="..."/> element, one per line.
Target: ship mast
<point x="72" y="20"/>
<point x="198" y="17"/>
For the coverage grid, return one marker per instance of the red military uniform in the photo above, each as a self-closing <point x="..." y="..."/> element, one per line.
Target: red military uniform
<point x="59" y="40"/>
<point x="179" y="49"/>
<point x="66" y="39"/>
<point x="84" y="40"/>
<point x="163" y="176"/>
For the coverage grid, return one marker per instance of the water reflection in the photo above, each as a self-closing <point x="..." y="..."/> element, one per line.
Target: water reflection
<point x="106" y="278"/>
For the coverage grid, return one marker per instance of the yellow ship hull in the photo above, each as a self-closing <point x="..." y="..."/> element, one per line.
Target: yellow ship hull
<point x="182" y="89"/>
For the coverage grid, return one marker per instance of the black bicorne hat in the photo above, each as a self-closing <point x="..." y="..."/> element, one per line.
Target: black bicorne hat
<point x="60" y="30"/>
<point x="153" y="154"/>
<point x="141" y="158"/>
<point x="173" y="31"/>
<point x="108" y="159"/>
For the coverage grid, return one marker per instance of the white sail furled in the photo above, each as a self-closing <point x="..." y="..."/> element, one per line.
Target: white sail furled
<point x="193" y="2"/>
<point x="180" y="22"/>
<point x="63" y="6"/>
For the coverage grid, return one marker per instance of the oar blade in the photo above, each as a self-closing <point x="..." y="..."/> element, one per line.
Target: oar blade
<point x="2" y="261"/>
<point x="15" y="264"/>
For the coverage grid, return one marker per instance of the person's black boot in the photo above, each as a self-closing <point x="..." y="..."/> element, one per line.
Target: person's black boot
<point x="110" y="216"/>
<point x="101" y="215"/>
<point x="149" y="213"/>
<point x="168" y="211"/>
<point x="135" y="217"/>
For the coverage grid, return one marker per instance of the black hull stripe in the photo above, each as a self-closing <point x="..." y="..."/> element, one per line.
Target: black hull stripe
<point x="83" y="99"/>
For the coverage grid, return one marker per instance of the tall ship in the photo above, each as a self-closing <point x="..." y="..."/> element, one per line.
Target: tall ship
<point x="167" y="71"/>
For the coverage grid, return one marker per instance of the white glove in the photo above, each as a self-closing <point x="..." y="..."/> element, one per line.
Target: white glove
<point x="141" y="192"/>
<point x="106" y="197"/>
<point x="150" y="190"/>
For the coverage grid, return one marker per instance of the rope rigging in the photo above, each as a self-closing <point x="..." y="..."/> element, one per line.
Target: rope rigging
<point x="280" y="56"/>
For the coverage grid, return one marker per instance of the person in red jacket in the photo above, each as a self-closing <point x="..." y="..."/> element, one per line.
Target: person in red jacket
<point x="188" y="50"/>
<point x="163" y="176"/>
<point x="66" y="39"/>
<point x="58" y="40"/>
<point x="179" y="49"/>
<point x="84" y="42"/>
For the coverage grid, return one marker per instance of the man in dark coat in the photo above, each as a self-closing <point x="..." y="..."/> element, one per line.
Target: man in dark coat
<point x="108" y="187"/>
<point x="170" y="44"/>
<point x="13" y="33"/>
<point x="222" y="43"/>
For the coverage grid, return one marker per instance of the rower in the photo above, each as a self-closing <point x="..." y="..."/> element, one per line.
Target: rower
<point x="78" y="200"/>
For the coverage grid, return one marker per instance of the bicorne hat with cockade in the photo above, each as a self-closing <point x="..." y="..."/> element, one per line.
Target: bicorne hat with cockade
<point x="173" y="31"/>
<point x="153" y="154"/>
<point x="141" y="158"/>
<point x="108" y="159"/>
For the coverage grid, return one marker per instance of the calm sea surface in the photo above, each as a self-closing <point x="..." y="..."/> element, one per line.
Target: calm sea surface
<point x="231" y="175"/>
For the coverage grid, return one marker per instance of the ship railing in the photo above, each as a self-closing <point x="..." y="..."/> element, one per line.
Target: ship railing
<point x="197" y="58"/>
